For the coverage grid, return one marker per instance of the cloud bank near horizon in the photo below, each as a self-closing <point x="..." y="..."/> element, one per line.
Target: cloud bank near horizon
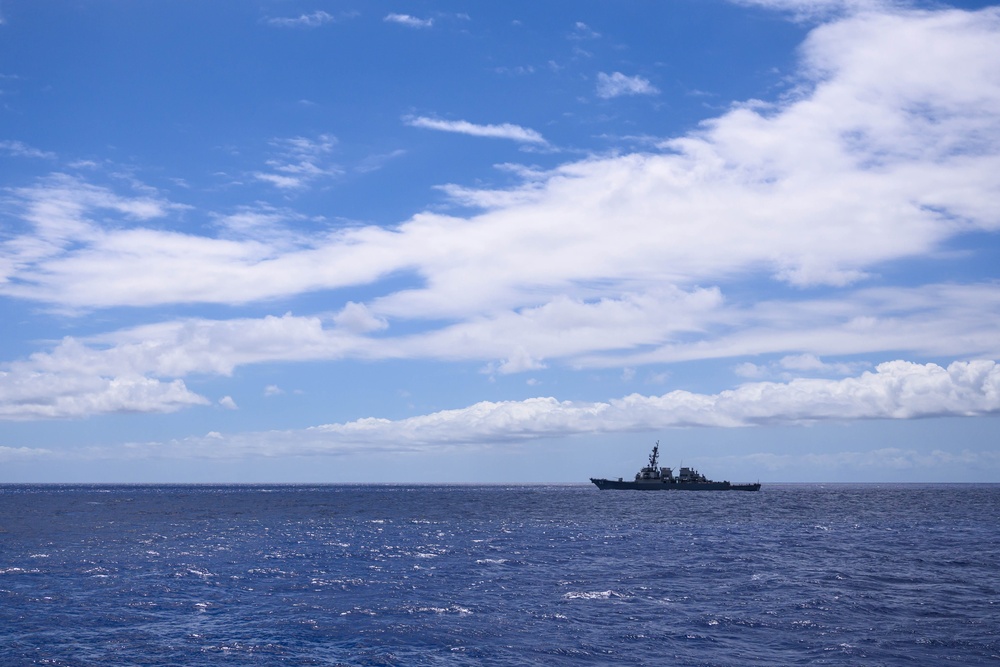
<point x="895" y="390"/>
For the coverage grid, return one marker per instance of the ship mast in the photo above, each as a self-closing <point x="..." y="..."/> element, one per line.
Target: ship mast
<point x="653" y="457"/>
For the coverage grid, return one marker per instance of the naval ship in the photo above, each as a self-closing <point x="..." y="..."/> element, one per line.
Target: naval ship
<point x="653" y="478"/>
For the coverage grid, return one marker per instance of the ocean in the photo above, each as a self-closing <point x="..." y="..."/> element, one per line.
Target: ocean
<point x="498" y="575"/>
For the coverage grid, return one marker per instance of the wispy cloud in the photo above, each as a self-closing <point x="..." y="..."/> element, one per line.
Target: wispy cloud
<point x="820" y="9"/>
<point x="503" y="131"/>
<point x="313" y="20"/>
<point x="263" y="224"/>
<point x="299" y="161"/>
<point x="517" y="70"/>
<point x="24" y="453"/>
<point x="409" y="21"/>
<point x="796" y="364"/>
<point x="375" y="162"/>
<point x="21" y="149"/>
<point x="617" y="85"/>
<point x="57" y="210"/>
<point x="583" y="31"/>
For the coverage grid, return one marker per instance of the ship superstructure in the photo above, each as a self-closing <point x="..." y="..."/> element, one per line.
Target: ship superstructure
<point x="654" y="478"/>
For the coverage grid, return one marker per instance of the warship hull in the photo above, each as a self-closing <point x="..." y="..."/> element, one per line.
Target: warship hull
<point x="654" y="478"/>
<point x="614" y="484"/>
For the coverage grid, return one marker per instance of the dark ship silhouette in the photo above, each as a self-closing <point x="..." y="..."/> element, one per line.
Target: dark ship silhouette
<point x="653" y="478"/>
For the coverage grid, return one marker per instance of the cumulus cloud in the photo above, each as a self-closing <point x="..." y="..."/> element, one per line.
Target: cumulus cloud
<point x="41" y="395"/>
<point x="502" y="131"/>
<point x="617" y="84"/>
<point x="658" y="327"/>
<point x="895" y="390"/>
<point x="357" y="318"/>
<point x="409" y="21"/>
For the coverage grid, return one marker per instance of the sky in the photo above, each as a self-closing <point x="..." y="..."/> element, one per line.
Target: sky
<point x="326" y="241"/>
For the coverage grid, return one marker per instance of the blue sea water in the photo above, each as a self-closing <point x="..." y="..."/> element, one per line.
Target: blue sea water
<point x="499" y="575"/>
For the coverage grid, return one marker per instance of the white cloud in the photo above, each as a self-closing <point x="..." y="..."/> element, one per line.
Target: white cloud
<point x="356" y="318"/>
<point x="937" y="321"/>
<point x="502" y="131"/>
<point x="564" y="328"/>
<point x="888" y="149"/>
<point x="811" y="363"/>
<point x="21" y="149"/>
<point x="263" y="224"/>
<point x="880" y="460"/>
<point x="617" y="84"/>
<point x="516" y="70"/>
<point x="300" y="161"/>
<point x="179" y="348"/>
<point x="280" y="180"/>
<point x="749" y="370"/>
<point x="375" y="162"/>
<point x="23" y="453"/>
<point x="39" y="395"/>
<point x="409" y="21"/>
<point x="931" y="321"/>
<point x="866" y="165"/>
<point x="583" y="31"/>
<point x="313" y="20"/>
<point x="57" y="210"/>
<point x="520" y="361"/>
<point x="228" y="403"/>
<point x="896" y="390"/>
<point x="822" y="9"/>
<point x="796" y="364"/>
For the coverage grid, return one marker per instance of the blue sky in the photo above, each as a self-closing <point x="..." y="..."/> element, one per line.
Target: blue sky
<point x="517" y="242"/>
